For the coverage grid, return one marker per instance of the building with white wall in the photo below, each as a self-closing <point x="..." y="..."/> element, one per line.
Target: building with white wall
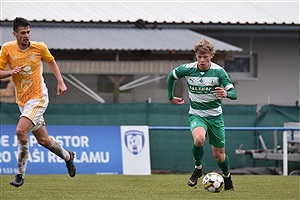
<point x="122" y="51"/>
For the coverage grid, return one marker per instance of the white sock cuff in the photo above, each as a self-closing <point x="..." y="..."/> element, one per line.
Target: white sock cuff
<point x="198" y="167"/>
<point x="226" y="176"/>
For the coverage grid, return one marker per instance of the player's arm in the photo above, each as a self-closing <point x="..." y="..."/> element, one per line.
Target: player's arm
<point x="8" y="73"/>
<point x="3" y="62"/>
<point x="46" y="55"/>
<point x="223" y="93"/>
<point x="61" y="87"/>
<point x="170" y="86"/>
<point x="232" y="94"/>
<point x="228" y="91"/>
<point x="5" y="73"/>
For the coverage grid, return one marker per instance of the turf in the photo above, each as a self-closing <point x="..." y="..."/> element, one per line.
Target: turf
<point x="156" y="186"/>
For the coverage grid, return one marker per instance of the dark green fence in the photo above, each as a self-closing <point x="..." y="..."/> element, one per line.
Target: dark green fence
<point x="171" y="150"/>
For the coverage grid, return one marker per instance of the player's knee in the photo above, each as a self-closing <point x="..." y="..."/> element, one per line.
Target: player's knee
<point x="220" y="157"/>
<point x="21" y="134"/>
<point x="199" y="136"/>
<point x="44" y="141"/>
<point x="199" y="141"/>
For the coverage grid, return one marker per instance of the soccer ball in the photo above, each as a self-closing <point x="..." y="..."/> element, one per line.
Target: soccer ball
<point x="213" y="182"/>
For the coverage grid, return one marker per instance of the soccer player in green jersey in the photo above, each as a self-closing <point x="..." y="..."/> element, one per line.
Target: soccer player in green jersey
<point x="207" y="84"/>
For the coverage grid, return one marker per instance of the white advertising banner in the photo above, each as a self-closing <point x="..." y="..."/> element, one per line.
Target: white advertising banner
<point x="135" y="150"/>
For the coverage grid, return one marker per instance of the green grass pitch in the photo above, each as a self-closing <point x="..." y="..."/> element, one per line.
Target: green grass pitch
<point x="156" y="186"/>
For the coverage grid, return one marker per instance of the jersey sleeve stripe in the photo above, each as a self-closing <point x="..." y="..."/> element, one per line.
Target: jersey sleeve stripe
<point x="174" y="74"/>
<point x="229" y="87"/>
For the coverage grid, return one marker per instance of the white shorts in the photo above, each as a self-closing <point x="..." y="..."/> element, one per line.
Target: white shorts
<point x="34" y="110"/>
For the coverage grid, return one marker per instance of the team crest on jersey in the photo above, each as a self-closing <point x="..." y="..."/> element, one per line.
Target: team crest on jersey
<point x="135" y="141"/>
<point x="32" y="57"/>
<point x="26" y="71"/>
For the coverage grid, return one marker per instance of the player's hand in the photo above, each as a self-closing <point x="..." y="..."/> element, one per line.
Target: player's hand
<point x="61" y="88"/>
<point x="177" y="101"/>
<point x="220" y="92"/>
<point x="17" y="70"/>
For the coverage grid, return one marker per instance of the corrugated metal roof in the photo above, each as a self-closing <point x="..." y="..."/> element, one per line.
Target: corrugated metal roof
<point x="234" y="11"/>
<point x="117" y="38"/>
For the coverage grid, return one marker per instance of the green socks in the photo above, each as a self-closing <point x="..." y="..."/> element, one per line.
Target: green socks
<point x="225" y="166"/>
<point x="198" y="153"/>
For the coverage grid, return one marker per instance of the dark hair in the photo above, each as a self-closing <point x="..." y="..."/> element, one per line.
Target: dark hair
<point x="19" y="21"/>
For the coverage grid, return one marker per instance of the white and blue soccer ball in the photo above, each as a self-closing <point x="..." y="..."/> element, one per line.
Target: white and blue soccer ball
<point x="213" y="182"/>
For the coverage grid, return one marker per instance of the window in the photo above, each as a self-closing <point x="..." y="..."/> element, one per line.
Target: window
<point x="238" y="65"/>
<point x="241" y="66"/>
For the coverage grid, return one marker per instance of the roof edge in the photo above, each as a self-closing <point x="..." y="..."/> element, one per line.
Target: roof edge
<point x="145" y="24"/>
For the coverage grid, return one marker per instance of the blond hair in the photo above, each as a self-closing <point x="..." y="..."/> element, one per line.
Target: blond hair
<point x="204" y="47"/>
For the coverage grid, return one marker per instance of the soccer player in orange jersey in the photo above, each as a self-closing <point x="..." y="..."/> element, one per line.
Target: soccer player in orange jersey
<point x="24" y="58"/>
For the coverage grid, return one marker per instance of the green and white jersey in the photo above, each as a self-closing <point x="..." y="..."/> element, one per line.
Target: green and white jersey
<point x="201" y="86"/>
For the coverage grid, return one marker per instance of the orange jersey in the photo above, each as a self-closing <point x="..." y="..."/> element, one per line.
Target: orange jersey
<point x="29" y="83"/>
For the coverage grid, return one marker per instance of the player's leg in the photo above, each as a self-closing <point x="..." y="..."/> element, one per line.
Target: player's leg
<point x="23" y="127"/>
<point x="41" y="134"/>
<point x="217" y="140"/>
<point x="43" y="139"/>
<point x="198" y="133"/>
<point x="224" y="164"/>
